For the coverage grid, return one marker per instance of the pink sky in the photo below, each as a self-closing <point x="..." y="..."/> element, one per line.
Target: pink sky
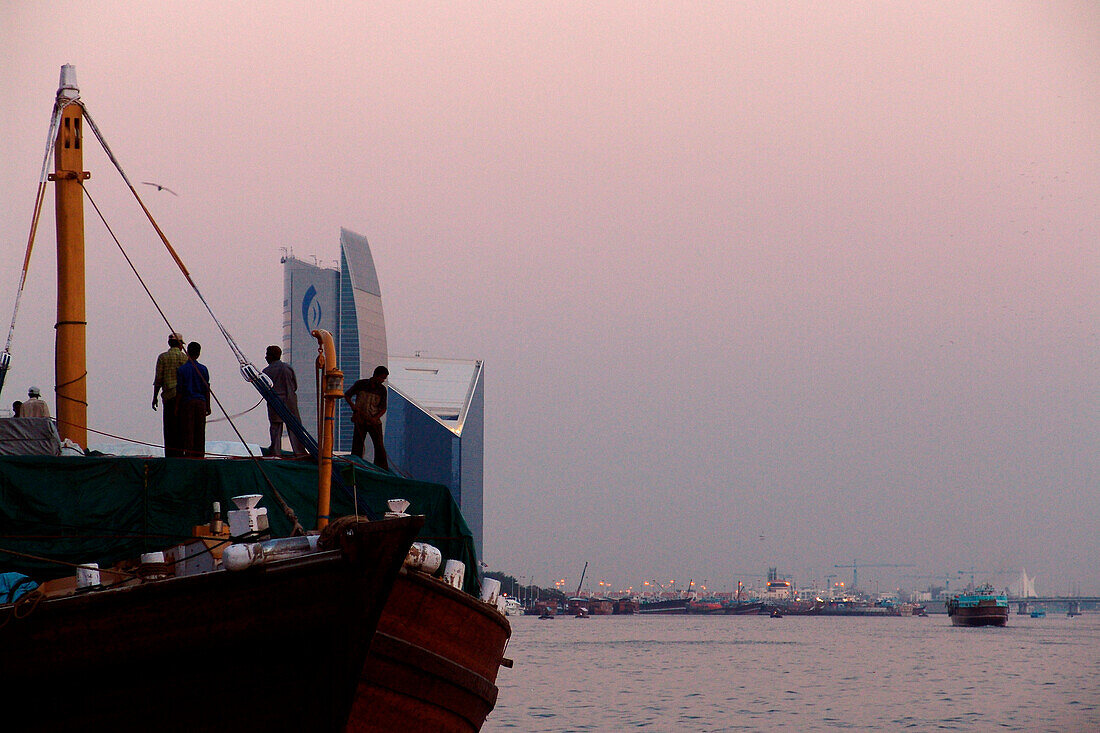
<point x="824" y="273"/>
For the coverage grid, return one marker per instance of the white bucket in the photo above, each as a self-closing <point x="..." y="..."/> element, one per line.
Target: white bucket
<point x="87" y="576"/>
<point x="454" y="572"/>
<point x="152" y="557"/>
<point x="490" y="590"/>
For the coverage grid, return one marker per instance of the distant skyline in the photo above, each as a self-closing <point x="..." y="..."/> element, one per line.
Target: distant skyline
<point x="755" y="284"/>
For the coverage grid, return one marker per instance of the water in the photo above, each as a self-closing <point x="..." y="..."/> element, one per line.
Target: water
<point x="736" y="673"/>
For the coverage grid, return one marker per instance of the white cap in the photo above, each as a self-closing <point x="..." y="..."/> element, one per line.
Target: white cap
<point x="33" y="392"/>
<point x="67" y="88"/>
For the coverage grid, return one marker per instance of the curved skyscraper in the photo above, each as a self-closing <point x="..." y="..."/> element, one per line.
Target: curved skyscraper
<point x="361" y="341"/>
<point x="348" y="304"/>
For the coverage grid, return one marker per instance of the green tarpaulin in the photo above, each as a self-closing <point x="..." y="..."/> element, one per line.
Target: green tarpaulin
<point x="107" y="509"/>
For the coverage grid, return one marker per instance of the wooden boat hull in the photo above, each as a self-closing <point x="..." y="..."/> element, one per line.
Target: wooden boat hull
<point x="279" y="646"/>
<point x="433" y="663"/>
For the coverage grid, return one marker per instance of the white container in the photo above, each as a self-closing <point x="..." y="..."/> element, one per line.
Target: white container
<point x="502" y="605"/>
<point x="397" y="508"/>
<point x="424" y="557"/>
<point x="490" y="590"/>
<point x="87" y="576"/>
<point x="152" y="557"/>
<point x="454" y="572"/>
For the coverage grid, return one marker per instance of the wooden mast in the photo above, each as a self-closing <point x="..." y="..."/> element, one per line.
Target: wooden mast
<point x="69" y="360"/>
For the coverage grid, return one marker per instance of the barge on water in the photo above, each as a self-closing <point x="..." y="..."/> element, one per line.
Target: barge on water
<point x="982" y="606"/>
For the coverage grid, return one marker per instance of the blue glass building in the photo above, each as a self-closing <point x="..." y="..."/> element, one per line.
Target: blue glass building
<point x="435" y="428"/>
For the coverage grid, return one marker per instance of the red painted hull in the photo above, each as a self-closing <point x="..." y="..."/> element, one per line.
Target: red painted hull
<point x="274" y="647"/>
<point x="433" y="663"/>
<point x="980" y="616"/>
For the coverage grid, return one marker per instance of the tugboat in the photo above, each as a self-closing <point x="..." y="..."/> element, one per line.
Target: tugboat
<point x="982" y="606"/>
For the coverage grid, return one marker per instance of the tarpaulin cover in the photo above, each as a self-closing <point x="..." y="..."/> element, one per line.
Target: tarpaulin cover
<point x="29" y="436"/>
<point x="107" y="509"/>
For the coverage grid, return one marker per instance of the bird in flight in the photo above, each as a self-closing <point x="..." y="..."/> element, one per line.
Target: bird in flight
<point x="160" y="187"/>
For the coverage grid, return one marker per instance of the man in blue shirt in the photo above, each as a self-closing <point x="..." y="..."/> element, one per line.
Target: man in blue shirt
<point x="193" y="388"/>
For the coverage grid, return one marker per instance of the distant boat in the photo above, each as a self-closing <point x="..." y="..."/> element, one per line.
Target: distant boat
<point x="705" y="605"/>
<point x="743" y="608"/>
<point x="664" y="605"/>
<point x="1039" y="613"/>
<point x="982" y="606"/>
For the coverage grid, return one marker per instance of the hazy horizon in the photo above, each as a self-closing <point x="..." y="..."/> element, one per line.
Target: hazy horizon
<point x="755" y="285"/>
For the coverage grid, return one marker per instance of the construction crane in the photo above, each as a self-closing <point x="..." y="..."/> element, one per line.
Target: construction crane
<point x="582" y="579"/>
<point x="972" y="572"/>
<point x="945" y="577"/>
<point x="855" y="566"/>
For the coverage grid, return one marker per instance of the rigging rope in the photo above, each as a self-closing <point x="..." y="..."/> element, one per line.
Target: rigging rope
<point x="55" y="123"/>
<point x="125" y="256"/>
<point x="164" y="239"/>
<point x="248" y="370"/>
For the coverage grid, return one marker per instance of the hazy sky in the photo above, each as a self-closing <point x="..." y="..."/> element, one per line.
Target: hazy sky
<point x="755" y="284"/>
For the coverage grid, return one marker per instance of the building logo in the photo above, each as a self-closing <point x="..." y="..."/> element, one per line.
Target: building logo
<point x="311" y="310"/>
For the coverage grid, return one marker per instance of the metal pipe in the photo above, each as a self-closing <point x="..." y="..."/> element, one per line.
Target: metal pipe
<point x="333" y="389"/>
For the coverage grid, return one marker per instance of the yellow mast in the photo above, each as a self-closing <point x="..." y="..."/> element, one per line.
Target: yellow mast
<point x="333" y="390"/>
<point x="70" y="362"/>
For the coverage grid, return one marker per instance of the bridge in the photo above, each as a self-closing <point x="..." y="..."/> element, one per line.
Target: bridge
<point x="1072" y="604"/>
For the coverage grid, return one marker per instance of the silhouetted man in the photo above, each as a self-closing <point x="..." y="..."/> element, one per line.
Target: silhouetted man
<point x="193" y="385"/>
<point x="284" y="383"/>
<point x="367" y="398"/>
<point x="164" y="382"/>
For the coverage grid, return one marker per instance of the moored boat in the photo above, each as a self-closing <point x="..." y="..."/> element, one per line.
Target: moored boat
<point x="279" y="643"/>
<point x="705" y="606"/>
<point x="663" y="605"/>
<point x="746" y="607"/>
<point x="982" y="606"/>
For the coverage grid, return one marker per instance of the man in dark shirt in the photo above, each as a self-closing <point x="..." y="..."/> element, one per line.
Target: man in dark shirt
<point x="284" y="383"/>
<point x="367" y="398"/>
<point x="193" y="386"/>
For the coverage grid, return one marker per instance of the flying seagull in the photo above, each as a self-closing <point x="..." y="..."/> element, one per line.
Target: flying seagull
<point x="160" y="187"/>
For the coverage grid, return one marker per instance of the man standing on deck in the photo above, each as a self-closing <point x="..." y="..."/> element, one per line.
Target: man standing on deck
<point x="284" y="383"/>
<point x="193" y="386"/>
<point x="367" y="398"/>
<point x="164" y="382"/>
<point x="34" y="406"/>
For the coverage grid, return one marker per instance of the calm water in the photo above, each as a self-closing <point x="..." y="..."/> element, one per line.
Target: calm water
<point x="717" y="673"/>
